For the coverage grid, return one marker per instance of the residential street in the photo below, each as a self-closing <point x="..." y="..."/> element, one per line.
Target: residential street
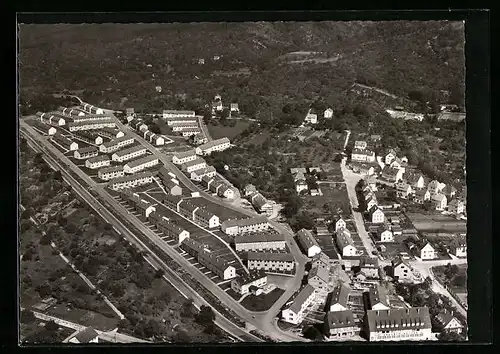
<point x="351" y="179"/>
<point x="258" y="319"/>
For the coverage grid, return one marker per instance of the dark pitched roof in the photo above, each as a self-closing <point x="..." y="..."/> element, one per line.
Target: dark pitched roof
<point x="306" y="239"/>
<point x="248" y="278"/>
<point x="377" y="295"/>
<point x="445" y="317"/>
<point x="340" y="295"/>
<point x="398" y="319"/>
<point x="270" y="256"/>
<point x="339" y="319"/>
<point x="302" y="296"/>
<point x="86" y="335"/>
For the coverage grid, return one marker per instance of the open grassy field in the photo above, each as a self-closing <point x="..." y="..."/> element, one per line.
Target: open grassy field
<point x="220" y="131"/>
<point x="262" y="302"/>
<point x="437" y="223"/>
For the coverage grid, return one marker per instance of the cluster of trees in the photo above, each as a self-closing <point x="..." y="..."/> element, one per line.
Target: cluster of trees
<point x="422" y="295"/>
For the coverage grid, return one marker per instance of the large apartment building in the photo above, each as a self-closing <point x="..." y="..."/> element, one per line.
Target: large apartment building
<point x="66" y="143"/>
<point x="129" y="153"/>
<point x="141" y="164"/>
<point x="241" y="226"/>
<point x="216" y="264"/>
<point x="259" y="242"/>
<point x="116" y="144"/>
<point x="97" y="162"/>
<point x="398" y="324"/>
<point x="194" y="165"/>
<point x="296" y="311"/>
<point x="91" y="125"/>
<point x="111" y="172"/>
<point x="308" y="243"/>
<point x="214" y="145"/>
<point x="270" y="261"/>
<point x="131" y="181"/>
<point x="50" y="119"/>
<point x="184" y="156"/>
<point x="86" y="153"/>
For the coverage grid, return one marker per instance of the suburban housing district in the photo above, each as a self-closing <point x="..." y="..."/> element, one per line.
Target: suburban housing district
<point x="350" y="278"/>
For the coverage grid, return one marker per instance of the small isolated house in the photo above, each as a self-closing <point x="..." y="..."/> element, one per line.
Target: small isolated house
<point x="427" y="252"/>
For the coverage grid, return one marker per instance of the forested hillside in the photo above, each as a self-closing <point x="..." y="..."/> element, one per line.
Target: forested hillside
<point x="263" y="66"/>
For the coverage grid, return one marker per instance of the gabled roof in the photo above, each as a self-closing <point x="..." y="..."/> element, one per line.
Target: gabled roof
<point x="98" y="158"/>
<point x="398" y="261"/>
<point x="306" y="239"/>
<point x="187" y="205"/>
<point x="245" y="222"/>
<point x="339" y="319"/>
<point x="213" y="143"/>
<point x="344" y="239"/>
<point x="141" y="161"/>
<point x="340" y="295"/>
<point x="174" y="199"/>
<point x="258" y="200"/>
<point x="270" y="256"/>
<point x="87" y="149"/>
<point x="245" y="278"/>
<point x="321" y="272"/>
<point x="183" y="154"/>
<point x="130" y="150"/>
<point x="398" y="319"/>
<point x="378" y="294"/>
<point x="302" y="296"/>
<point x="258" y="237"/>
<point x="421" y="192"/>
<point x="194" y="162"/>
<point x="368" y="262"/>
<point x="438" y="197"/>
<point x="86" y="335"/>
<point x="110" y="169"/>
<point x="390" y="171"/>
<point x="444" y="318"/>
<point x="204" y="213"/>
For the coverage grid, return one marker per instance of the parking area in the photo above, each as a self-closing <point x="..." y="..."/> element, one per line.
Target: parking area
<point x="196" y="233"/>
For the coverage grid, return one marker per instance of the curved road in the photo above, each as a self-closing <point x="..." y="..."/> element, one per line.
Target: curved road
<point x="102" y="210"/>
<point x="260" y="320"/>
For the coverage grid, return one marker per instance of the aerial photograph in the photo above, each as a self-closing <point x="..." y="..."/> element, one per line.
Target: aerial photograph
<point x="228" y="182"/>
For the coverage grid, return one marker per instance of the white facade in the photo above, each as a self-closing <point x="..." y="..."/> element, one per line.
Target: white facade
<point x="97" y="163"/>
<point x="386" y="236"/>
<point x="340" y="224"/>
<point x="128" y="154"/>
<point x="295" y="313"/>
<point x="377" y="216"/>
<point x="116" y="145"/>
<point x="214" y="145"/>
<point x="328" y="113"/>
<point x="349" y="251"/>
<point x="146" y="163"/>
<point x="193" y="167"/>
<point x="184" y="157"/>
<point x="301" y="186"/>
<point x="109" y="173"/>
<point x="427" y="252"/>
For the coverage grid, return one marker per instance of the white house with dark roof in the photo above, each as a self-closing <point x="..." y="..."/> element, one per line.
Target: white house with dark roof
<point x="390" y="156"/>
<point x="226" y="191"/>
<point x="456" y="206"/>
<point x="427" y="252"/>
<point x="459" y="246"/>
<point x="98" y="162"/>
<point x="199" y="174"/>
<point x="241" y="226"/>
<point x="129" y="153"/>
<point x="270" y="261"/>
<point x="384" y="234"/>
<point x="402" y="270"/>
<point x="439" y="201"/>
<point x="116" y="144"/>
<point x="242" y="283"/>
<point x="345" y="243"/>
<point x="131" y="181"/>
<point x="340" y="224"/>
<point x="449" y="323"/>
<point x="340" y="324"/>
<point x="141" y="164"/>
<point x="214" y="145"/>
<point x="295" y="312"/>
<point x="111" y="172"/>
<point x="337" y="301"/>
<point x="173" y="230"/>
<point x="362" y="155"/>
<point x="360" y="144"/>
<point x="376" y="215"/>
<point x="421" y="195"/>
<point x="172" y="113"/>
<point x="328" y="113"/>
<point x="206" y="218"/>
<point x="184" y="156"/>
<point x="319" y="278"/>
<point x="261" y="204"/>
<point x="259" y="242"/>
<point x="216" y="264"/>
<point x="378" y="298"/>
<point x="66" y="143"/>
<point x="308" y="242"/>
<point x="435" y="187"/>
<point x="86" y="153"/>
<point x="194" y="165"/>
<point x="411" y="324"/>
